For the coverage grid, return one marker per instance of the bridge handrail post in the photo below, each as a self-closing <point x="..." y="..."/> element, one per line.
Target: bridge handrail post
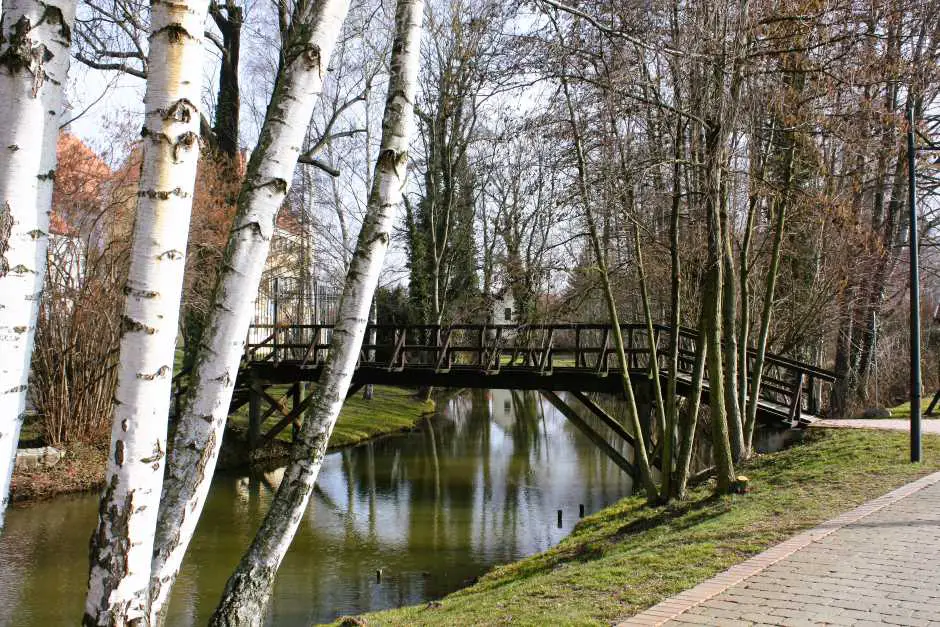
<point x="277" y="357"/>
<point x="577" y="346"/>
<point x="812" y="398"/>
<point x="796" y="404"/>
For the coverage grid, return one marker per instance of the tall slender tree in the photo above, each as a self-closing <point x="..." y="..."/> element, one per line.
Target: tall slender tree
<point x="122" y="544"/>
<point x="249" y="588"/>
<point x="34" y="60"/>
<point x="308" y="37"/>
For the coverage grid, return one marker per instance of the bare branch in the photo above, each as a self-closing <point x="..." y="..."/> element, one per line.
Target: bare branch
<point x="326" y="167"/>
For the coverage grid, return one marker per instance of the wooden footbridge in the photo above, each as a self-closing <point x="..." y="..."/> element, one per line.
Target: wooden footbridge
<point x="574" y="358"/>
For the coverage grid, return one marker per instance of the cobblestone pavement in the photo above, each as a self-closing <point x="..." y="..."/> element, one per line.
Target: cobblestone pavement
<point x="931" y="425"/>
<point x="876" y="565"/>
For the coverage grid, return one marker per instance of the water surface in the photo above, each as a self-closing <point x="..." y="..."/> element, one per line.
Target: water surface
<point x="477" y="486"/>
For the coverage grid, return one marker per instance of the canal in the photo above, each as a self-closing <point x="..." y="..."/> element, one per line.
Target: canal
<point x="397" y="521"/>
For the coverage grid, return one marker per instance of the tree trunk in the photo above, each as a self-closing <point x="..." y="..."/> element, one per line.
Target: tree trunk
<point x="122" y="544"/>
<point x="711" y="302"/>
<point x="34" y="61"/>
<point x="198" y="435"/>
<point x="767" y="310"/>
<point x="249" y="587"/>
<point x="227" y="109"/>
<point x="730" y="343"/>
<point x="675" y="317"/>
<point x="641" y="455"/>
<point x="744" y="330"/>
<point x="651" y="337"/>
<point x="690" y="418"/>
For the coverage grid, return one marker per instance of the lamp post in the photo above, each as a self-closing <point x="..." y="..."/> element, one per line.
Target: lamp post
<point x="916" y="448"/>
<point x="912" y="150"/>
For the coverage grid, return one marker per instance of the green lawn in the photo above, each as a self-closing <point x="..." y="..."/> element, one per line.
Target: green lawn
<point x="390" y="410"/>
<point x="629" y="556"/>
<point x="903" y="410"/>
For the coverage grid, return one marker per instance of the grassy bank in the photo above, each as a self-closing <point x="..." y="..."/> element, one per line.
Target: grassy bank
<point x="903" y="411"/>
<point x="391" y="410"/>
<point x="629" y="556"/>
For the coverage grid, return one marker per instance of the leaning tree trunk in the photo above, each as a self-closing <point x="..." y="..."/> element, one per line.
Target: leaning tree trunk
<point x="249" y="587"/>
<point x="688" y="422"/>
<point x="757" y="371"/>
<point x="34" y="61"/>
<point x="198" y="436"/>
<point x="641" y="456"/>
<point x="122" y="545"/>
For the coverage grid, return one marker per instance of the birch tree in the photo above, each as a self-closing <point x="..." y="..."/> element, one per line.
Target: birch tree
<point x="34" y="60"/>
<point x="249" y="587"/>
<point x="122" y="544"/>
<point x="308" y="37"/>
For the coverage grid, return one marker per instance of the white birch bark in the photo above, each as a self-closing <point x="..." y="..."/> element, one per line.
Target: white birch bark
<point x="122" y="544"/>
<point x="198" y="437"/>
<point x="34" y="60"/>
<point x="249" y="587"/>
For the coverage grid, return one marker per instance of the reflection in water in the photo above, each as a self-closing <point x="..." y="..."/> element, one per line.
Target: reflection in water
<point x="477" y="486"/>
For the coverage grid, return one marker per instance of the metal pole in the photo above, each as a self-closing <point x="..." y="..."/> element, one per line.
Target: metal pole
<point x="916" y="448"/>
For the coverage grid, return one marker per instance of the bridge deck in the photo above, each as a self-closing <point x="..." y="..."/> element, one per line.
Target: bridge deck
<point x="554" y="357"/>
<point x="576" y="358"/>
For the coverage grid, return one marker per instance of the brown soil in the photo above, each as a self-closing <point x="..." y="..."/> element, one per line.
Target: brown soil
<point x="81" y="469"/>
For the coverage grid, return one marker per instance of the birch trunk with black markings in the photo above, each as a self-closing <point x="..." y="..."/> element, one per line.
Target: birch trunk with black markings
<point x="249" y="588"/>
<point x="34" y="60"/>
<point x="122" y="545"/>
<point x="307" y="45"/>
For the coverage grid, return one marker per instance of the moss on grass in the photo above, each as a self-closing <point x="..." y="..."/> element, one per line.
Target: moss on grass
<point x="628" y="557"/>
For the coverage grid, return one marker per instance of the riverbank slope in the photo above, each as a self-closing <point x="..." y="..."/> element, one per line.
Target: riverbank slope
<point x="628" y="557"/>
<point x="391" y="410"/>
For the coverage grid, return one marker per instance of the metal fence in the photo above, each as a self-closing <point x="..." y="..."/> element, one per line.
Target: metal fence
<point x="283" y="302"/>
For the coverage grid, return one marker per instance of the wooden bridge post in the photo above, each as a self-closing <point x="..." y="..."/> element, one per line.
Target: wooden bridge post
<point x="813" y="399"/>
<point x="796" y="404"/>
<point x="295" y="403"/>
<point x="254" y="413"/>
<point x="277" y="357"/>
<point x="577" y="346"/>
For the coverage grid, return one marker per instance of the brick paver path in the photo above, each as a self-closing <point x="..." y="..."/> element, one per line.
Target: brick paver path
<point x="876" y="565"/>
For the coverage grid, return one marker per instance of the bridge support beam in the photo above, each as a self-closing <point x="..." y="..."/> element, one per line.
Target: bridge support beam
<point x="604" y="417"/>
<point x="592" y="435"/>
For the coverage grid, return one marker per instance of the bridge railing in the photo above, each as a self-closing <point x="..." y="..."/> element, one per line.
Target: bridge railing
<point x="544" y="348"/>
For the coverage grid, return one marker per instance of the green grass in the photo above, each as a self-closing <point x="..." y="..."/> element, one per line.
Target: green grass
<point x="391" y="410"/>
<point x="629" y="556"/>
<point x="903" y="411"/>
